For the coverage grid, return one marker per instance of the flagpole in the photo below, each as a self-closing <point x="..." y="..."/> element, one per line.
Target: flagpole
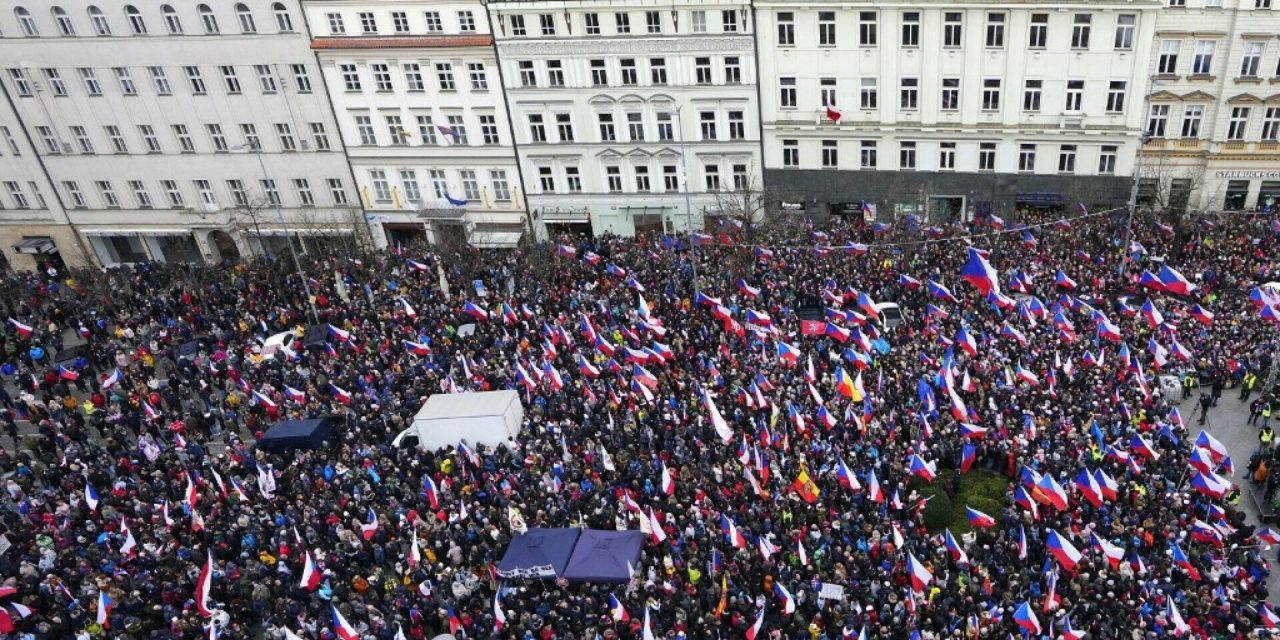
<point x="1143" y="139"/>
<point x="688" y="206"/>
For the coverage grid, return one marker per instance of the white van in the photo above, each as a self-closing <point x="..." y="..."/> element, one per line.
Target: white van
<point x="890" y="315"/>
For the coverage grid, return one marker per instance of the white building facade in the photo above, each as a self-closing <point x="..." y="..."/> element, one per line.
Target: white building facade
<point x="952" y="108"/>
<point x="631" y="116"/>
<point x="145" y="125"/>
<point x="1214" y="114"/>
<point x="419" y="100"/>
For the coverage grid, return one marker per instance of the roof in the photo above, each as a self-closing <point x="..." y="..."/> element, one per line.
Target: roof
<point x="467" y="405"/>
<point x="402" y="42"/>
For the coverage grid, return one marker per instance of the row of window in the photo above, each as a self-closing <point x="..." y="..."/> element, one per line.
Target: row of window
<point x="636" y="126"/>
<point x="868" y="157"/>
<point x="268" y="78"/>
<point x="1239" y="124"/>
<point x="412" y="77"/>
<point x="401" y="23"/>
<point x="621" y="23"/>
<point x="949" y="94"/>
<point x="627" y="72"/>
<point x="1257" y="4"/>
<point x="423" y="130"/>
<point x="174" y="194"/>
<point x="409" y="191"/>
<point x="136" y="22"/>
<point x="953" y="24"/>
<point x="1202" y="58"/>
<point x="662" y="176"/>
<point x="178" y="139"/>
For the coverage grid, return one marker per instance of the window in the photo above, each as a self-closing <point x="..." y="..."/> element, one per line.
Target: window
<point x="136" y="24"/>
<point x="606" y="127"/>
<point x="573" y="179"/>
<point x="1027" y="158"/>
<point x="991" y="94"/>
<point x="740" y="181"/>
<point x="622" y="22"/>
<point x="116" y="138"/>
<point x="911" y="29"/>
<point x="457" y="130"/>
<point x="729" y="20"/>
<point x="270" y="191"/>
<point x="215" y="136"/>
<point x="950" y="94"/>
<point x="74" y="194"/>
<point x="238" y="195"/>
<point x="27" y="23"/>
<point x="592" y="22"/>
<point x="909" y="94"/>
<point x="707" y="124"/>
<point x="827" y="92"/>
<point x="127" y="87"/>
<point x="1074" y="95"/>
<point x="364" y="126"/>
<point x="444" y="75"/>
<point x="83" y="141"/>
<point x="381" y="76"/>
<point x="702" y="70"/>
<point x="21" y="83"/>
<point x="613" y="179"/>
<point x="19" y="198"/>
<point x="381" y="186"/>
<point x="1202" y="63"/>
<point x="1107" y="159"/>
<point x="1038" y="34"/>
<point x="250" y="133"/>
<point x="1115" y="96"/>
<point x="947" y="155"/>
<point x="867" y="156"/>
<point x="466" y="22"/>
<point x="246" y="19"/>
<point x="54" y="79"/>
<point x="408" y="178"/>
<point x="666" y="132"/>
<point x="867" y="98"/>
<point x="629" y="76"/>
<point x="1238" y="123"/>
<point x="90" y="78"/>
<point x="337" y="192"/>
<point x="653" y="21"/>
<point x="434" y="23"/>
<point x="698" y="21"/>
<point x="107" y="193"/>
<point x="635" y="126"/>
<point x="183" y="136"/>
<point x="195" y="80"/>
<point x="866" y="28"/>
<point x="1249" y="61"/>
<point x="786" y="29"/>
<point x="546" y="180"/>
<point x="1067" y="158"/>
<point x="642" y="179"/>
<point x="1080" y="31"/>
<point x="599" y="77"/>
<point x="159" y="79"/>
<point x="13" y="144"/>
<point x="1124" y="30"/>
<point x="987" y="156"/>
<point x="830" y="154"/>
<point x="427" y="130"/>
<point x="1157" y="120"/>
<point x="412" y="77"/>
<point x="548" y="23"/>
<point x="528" y="77"/>
<point x="283" y="21"/>
<point x="711" y="173"/>
<point x="995" y="30"/>
<point x="555" y="73"/>
<point x="1191" y="117"/>
<point x="439" y="186"/>
<point x="564" y="127"/>
<point x="1180" y="3"/>
<point x="1031" y="95"/>
<point x="172" y="193"/>
<point x="140" y="195"/>
<point x="1271" y="124"/>
<point x="210" y="21"/>
<point x="368" y="22"/>
<point x="489" y="129"/>
<point x="50" y="141"/>
<point x="732" y="70"/>
<point x="501" y="188"/>
<point x="288" y="143"/>
<point x="319" y="137"/>
<point x="399" y="22"/>
<point x="63" y="21"/>
<point x="670" y="178"/>
<point x="517" y="25"/>
<point x="1168" y="61"/>
<point x="737" y="125"/>
<point x="826" y="28"/>
<point x="204" y="190"/>
<point x="1261" y="4"/>
<point x="790" y="154"/>
<point x="787" y="95"/>
<point x="479" y="81"/>
<point x="266" y="78"/>
<point x="336" y="26"/>
<point x="952" y="29"/>
<point x="230" y="79"/>
<point x="171" y="21"/>
<point x="907" y="155"/>
<point x="100" y="25"/>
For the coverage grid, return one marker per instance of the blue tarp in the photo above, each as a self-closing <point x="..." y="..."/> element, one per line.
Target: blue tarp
<point x="297" y="434"/>
<point x="539" y="553"/>
<point x="604" y="556"/>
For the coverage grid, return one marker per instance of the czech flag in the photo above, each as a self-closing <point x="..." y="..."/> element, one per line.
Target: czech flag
<point x="966" y="342"/>
<point x="415" y="265"/>
<point x="1113" y="553"/>
<point x="788" y="602"/>
<point x="310" y="575"/>
<point x="1180" y="559"/>
<point x="417" y="348"/>
<point x="1203" y="315"/>
<point x="1174" y="282"/>
<point x="920" y="576"/>
<point x="90" y="496"/>
<point x="616" y="609"/>
<point x="1062" y="550"/>
<point x="979" y="273"/>
<point x="953" y="547"/>
<point x="1216" y="448"/>
<point x="786" y="352"/>
<point x="968" y="430"/>
<point x="1211" y="484"/>
<point x="67" y="374"/>
<point x="341" y="627"/>
<point x="295" y="395"/>
<point x="923" y="469"/>
<point x="1269" y="618"/>
<point x="23" y="330"/>
<point x="342" y="335"/>
<point x="203" y="585"/>
<point x="979" y="519"/>
<point x="940" y="291"/>
<point x="104" y="609"/>
<point x="874" y="492"/>
<point x="339" y="394"/>
<point x="846" y="478"/>
<point x="111" y="380"/>
<point x="368" y="529"/>
<point x="731" y="532"/>
<point x="1026" y="619"/>
<point x="475" y="312"/>
<point x="565" y="251"/>
<point x="1064" y="282"/>
<point x="1267" y="536"/>
<point x="752" y="631"/>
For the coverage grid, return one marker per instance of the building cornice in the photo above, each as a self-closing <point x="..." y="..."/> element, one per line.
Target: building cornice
<point x="402" y="42"/>
<point x="623" y="46"/>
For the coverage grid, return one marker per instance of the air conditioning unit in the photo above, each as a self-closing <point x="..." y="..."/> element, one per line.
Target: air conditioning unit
<point x="305" y="145"/>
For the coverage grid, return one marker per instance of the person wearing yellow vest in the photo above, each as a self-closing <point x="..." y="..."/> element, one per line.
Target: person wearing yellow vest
<point x="1265" y="436"/>
<point x="1247" y="384"/>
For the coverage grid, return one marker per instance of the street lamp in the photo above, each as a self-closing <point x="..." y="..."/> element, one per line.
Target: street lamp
<point x="688" y="206"/>
<point x="297" y="265"/>
<point x="1137" y="178"/>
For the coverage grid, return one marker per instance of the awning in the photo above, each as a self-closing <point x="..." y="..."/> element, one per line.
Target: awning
<point x="303" y="232"/>
<point x="36" y="245"/>
<point x="495" y="239"/>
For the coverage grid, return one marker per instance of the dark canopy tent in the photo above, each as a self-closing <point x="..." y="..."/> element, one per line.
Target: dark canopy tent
<point x="297" y="434"/>
<point x="315" y="335"/>
<point x="604" y="556"/>
<point x="540" y="553"/>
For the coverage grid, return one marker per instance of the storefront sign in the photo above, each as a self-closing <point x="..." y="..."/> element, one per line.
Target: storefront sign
<point x="791" y="206"/>
<point x="1248" y="174"/>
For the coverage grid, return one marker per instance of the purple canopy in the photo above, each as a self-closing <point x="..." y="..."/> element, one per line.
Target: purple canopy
<point x="604" y="556"/>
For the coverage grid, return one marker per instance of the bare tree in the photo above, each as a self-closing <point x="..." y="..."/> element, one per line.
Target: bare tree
<point x="249" y="216"/>
<point x="1171" y="189"/>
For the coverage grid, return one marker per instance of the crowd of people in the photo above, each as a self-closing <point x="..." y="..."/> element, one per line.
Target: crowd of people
<point x="768" y="426"/>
